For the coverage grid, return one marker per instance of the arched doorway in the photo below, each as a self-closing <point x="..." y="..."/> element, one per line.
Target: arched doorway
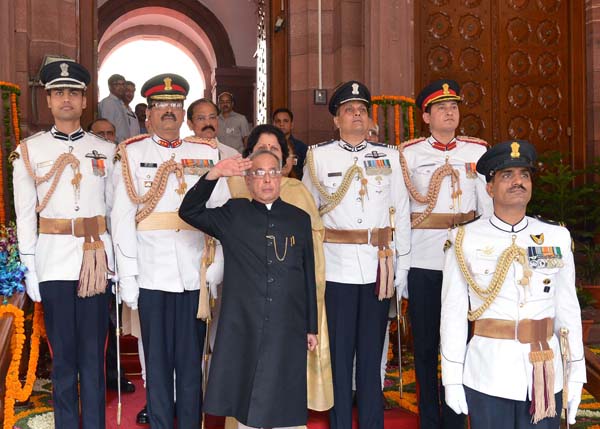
<point x="190" y="25"/>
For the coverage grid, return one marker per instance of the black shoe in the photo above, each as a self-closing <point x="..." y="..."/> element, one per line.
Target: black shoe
<point x="126" y="385"/>
<point x="142" y="417"/>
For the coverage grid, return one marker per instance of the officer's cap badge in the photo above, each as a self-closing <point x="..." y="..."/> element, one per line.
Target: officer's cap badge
<point x="64" y="69"/>
<point x="446" y="89"/>
<point x="168" y="82"/>
<point x="355" y="89"/>
<point x="515" y="150"/>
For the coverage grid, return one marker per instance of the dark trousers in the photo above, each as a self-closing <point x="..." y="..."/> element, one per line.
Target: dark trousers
<point x="424" y="308"/>
<point x="173" y="339"/>
<point x="76" y="329"/>
<point x="491" y="412"/>
<point x="357" y="322"/>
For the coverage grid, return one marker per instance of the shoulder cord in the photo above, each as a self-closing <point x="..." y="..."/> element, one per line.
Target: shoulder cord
<point x="434" y="188"/>
<point x="333" y="200"/>
<point x="56" y="171"/>
<point x="159" y="184"/>
<point x="512" y="253"/>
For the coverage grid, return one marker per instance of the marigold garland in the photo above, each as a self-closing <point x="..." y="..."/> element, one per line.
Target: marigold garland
<point x="403" y="108"/>
<point x="14" y="390"/>
<point x="10" y="93"/>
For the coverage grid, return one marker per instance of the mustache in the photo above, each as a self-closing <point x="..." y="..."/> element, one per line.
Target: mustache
<point x="208" y="127"/>
<point x="168" y="115"/>
<point x="520" y="187"/>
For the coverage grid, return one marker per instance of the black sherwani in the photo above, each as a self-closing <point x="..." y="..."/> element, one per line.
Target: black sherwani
<point x="258" y="369"/>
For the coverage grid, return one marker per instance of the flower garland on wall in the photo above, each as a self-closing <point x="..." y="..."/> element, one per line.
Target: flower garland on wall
<point x="12" y="132"/>
<point x="12" y="275"/>
<point x="404" y="116"/>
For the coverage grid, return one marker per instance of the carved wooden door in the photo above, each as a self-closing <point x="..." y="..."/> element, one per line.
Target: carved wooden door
<point x="516" y="61"/>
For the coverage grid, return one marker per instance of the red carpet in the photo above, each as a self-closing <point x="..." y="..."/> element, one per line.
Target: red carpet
<point x="132" y="403"/>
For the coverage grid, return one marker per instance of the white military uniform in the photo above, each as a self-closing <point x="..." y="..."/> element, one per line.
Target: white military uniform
<point x="76" y="327"/>
<point x="168" y="259"/>
<point x="165" y="260"/>
<point x="423" y="157"/>
<point x="501" y="367"/>
<point x="356" y="317"/>
<point x="357" y="263"/>
<point x="56" y="256"/>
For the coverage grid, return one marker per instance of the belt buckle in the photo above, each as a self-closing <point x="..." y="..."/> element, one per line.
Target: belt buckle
<point x="369" y="235"/>
<point x="73" y="226"/>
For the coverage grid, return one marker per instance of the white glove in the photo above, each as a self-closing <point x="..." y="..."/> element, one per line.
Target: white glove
<point x="215" y="271"/>
<point x="32" y="286"/>
<point x="456" y="399"/>
<point x="129" y="291"/>
<point x="573" y="400"/>
<point x="401" y="283"/>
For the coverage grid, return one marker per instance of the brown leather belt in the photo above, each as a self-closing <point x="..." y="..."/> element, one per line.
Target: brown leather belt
<point x="76" y="227"/>
<point x="442" y="220"/>
<point x="378" y="236"/>
<point x="163" y="221"/>
<point x="527" y="331"/>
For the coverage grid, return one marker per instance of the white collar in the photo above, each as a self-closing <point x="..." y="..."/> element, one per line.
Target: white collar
<point x="506" y="227"/>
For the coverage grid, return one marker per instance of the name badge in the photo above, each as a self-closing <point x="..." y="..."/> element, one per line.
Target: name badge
<point x="335" y="174"/>
<point x="44" y="164"/>
<point x="148" y="164"/>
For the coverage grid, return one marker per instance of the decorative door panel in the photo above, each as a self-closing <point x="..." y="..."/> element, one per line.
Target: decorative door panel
<point x="514" y="62"/>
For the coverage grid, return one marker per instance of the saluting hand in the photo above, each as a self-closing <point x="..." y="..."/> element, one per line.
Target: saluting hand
<point x="312" y="342"/>
<point x="234" y="166"/>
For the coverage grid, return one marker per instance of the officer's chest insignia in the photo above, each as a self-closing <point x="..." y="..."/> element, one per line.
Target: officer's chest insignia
<point x="335" y="174"/>
<point x="471" y="170"/>
<point x="375" y="154"/>
<point x="487" y="251"/>
<point x="95" y="155"/>
<point x="544" y="257"/>
<point x="197" y="166"/>
<point x="99" y="167"/>
<point x="378" y="166"/>
<point x="538" y="239"/>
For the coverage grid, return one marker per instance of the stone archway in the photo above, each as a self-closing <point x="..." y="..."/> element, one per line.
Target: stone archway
<point x="167" y="34"/>
<point x="112" y="10"/>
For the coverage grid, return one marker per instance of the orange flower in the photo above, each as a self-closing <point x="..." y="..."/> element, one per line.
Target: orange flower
<point x="14" y="390"/>
<point x="400" y="103"/>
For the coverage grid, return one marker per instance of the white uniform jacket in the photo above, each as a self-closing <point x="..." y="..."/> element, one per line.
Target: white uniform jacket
<point x="53" y="256"/>
<point x="357" y="263"/>
<point x="501" y="367"/>
<point x="423" y="158"/>
<point x="169" y="259"/>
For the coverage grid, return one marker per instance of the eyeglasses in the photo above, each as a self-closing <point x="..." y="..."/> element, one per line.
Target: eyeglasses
<point x="167" y="105"/>
<point x="260" y="173"/>
<point x="205" y="118"/>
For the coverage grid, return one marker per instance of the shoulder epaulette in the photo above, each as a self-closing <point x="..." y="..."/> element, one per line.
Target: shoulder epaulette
<point x="14" y="155"/>
<point x="466" y="222"/>
<point x="98" y="136"/>
<point x="34" y="135"/>
<point x="549" y="221"/>
<point x="201" y="140"/>
<point x="411" y="142"/>
<point x="475" y="140"/>
<point x="135" y="139"/>
<point x="379" y="144"/>
<point x="314" y="146"/>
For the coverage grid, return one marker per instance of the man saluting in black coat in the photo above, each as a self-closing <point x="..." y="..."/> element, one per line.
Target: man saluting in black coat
<point x="269" y="309"/>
